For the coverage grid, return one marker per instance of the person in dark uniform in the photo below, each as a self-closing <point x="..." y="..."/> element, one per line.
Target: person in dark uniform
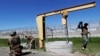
<point x="84" y="33"/>
<point x="14" y="43"/>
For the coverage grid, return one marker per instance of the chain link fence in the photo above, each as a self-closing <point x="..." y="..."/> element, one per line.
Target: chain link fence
<point x="54" y="31"/>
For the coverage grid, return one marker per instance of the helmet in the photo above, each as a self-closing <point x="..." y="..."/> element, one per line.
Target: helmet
<point x="13" y="33"/>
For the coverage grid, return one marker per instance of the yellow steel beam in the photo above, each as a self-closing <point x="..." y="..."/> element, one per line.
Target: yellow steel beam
<point x="39" y="20"/>
<point x="70" y="9"/>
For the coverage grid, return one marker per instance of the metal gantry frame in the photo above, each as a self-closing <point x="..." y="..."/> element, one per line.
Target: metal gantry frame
<point x="64" y="12"/>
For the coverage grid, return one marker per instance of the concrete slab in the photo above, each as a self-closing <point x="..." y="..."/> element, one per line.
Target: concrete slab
<point x="62" y="48"/>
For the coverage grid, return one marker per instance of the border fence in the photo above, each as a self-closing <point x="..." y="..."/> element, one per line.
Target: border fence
<point x="54" y="31"/>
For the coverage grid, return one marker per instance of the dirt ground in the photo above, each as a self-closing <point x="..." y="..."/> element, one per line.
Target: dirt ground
<point x="4" y="51"/>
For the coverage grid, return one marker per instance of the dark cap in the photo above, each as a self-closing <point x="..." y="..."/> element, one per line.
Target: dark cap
<point x="85" y="24"/>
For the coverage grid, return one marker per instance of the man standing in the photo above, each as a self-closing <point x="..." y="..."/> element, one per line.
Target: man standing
<point x="84" y="33"/>
<point x="14" y="43"/>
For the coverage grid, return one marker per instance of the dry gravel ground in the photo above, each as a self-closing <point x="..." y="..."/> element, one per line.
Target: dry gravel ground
<point x="4" y="51"/>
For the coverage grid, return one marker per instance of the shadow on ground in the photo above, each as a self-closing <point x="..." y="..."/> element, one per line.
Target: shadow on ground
<point x="26" y="53"/>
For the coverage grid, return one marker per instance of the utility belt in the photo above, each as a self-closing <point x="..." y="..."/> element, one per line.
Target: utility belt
<point x="84" y="33"/>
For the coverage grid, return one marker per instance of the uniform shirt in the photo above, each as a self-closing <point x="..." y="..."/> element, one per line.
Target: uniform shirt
<point x="84" y="30"/>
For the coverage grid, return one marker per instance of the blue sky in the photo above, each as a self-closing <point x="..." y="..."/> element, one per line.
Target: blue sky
<point x="22" y="13"/>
